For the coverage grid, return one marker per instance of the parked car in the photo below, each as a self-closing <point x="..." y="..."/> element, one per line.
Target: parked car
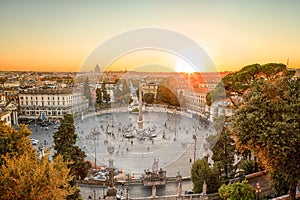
<point x="100" y="178"/>
<point x="56" y="126"/>
<point x="188" y="192"/>
<point x="34" y="141"/>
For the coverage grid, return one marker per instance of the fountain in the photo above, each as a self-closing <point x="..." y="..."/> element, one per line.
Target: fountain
<point x="154" y="178"/>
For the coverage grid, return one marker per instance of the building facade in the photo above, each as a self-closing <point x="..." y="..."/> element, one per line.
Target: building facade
<point x="196" y="101"/>
<point x="150" y="87"/>
<point x="50" y="103"/>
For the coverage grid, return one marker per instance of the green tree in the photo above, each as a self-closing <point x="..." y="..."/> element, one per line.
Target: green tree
<point x="64" y="144"/>
<point x="280" y="183"/>
<point x="201" y="172"/>
<point x="122" y="91"/>
<point x="248" y="166"/>
<point x="237" y="191"/>
<point x="268" y="124"/>
<point x="23" y="175"/>
<point x="167" y="96"/>
<point x="208" y="99"/>
<point x="99" y="97"/>
<point x="87" y="90"/>
<point x="223" y="148"/>
<point x="149" y="98"/>
<point x="106" y="96"/>
<point x="237" y="83"/>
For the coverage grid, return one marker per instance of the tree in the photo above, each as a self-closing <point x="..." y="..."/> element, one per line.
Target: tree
<point x="87" y="90"/>
<point x="149" y="98"/>
<point x="23" y="175"/>
<point x="105" y="95"/>
<point x="64" y="144"/>
<point x="223" y="148"/>
<point x="102" y="95"/>
<point x="236" y="84"/>
<point x="122" y="91"/>
<point x="182" y="99"/>
<point x="14" y="142"/>
<point x="268" y="124"/>
<point x="99" y="97"/>
<point x="280" y="183"/>
<point x="237" y="191"/>
<point x="65" y="137"/>
<point x="2" y="81"/>
<point x="167" y="96"/>
<point x="249" y="166"/>
<point x="201" y="172"/>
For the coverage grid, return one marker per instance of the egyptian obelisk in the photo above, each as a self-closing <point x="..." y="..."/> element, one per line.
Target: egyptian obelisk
<point x="140" y="120"/>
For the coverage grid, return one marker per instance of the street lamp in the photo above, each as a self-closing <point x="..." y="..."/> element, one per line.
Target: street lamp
<point x="195" y="139"/>
<point x="127" y="186"/>
<point x="95" y="152"/>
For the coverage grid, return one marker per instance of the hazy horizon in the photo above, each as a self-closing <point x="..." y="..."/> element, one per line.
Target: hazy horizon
<point x="61" y="35"/>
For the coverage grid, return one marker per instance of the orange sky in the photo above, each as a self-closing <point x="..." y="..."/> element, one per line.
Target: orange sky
<point x="60" y="35"/>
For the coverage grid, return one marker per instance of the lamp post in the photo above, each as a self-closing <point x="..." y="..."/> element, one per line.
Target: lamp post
<point x="195" y="139"/>
<point x="127" y="187"/>
<point x="95" y="152"/>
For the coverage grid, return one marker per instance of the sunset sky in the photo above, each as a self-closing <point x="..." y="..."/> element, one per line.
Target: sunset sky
<point x="59" y="35"/>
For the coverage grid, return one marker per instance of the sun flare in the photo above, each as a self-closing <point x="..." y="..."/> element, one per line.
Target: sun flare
<point x="183" y="66"/>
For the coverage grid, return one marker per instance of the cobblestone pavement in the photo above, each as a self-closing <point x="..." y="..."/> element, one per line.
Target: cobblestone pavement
<point x="173" y="144"/>
<point x="174" y="156"/>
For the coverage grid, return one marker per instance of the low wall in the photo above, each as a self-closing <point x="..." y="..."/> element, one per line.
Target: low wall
<point x="214" y="196"/>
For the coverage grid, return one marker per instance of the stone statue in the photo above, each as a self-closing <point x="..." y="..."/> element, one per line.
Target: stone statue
<point x="204" y="188"/>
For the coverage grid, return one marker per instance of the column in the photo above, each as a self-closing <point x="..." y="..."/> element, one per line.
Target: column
<point x="140" y="120"/>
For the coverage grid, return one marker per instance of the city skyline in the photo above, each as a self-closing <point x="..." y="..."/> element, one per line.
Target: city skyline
<point x="60" y="35"/>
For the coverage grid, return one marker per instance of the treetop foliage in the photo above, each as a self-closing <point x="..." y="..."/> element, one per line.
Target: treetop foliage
<point x="237" y="191"/>
<point x="268" y="124"/>
<point x="201" y="172"/>
<point x="237" y="83"/>
<point x="23" y="175"/>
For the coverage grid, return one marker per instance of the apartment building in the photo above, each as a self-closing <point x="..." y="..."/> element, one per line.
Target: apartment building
<point x="150" y="87"/>
<point x="50" y="103"/>
<point x="196" y="101"/>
